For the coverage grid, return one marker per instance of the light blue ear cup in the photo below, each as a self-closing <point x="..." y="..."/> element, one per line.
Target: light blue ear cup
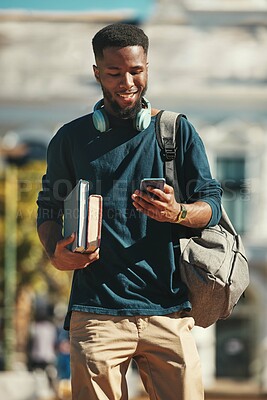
<point x="141" y="122"/>
<point x="143" y="118"/>
<point x="100" y="118"/>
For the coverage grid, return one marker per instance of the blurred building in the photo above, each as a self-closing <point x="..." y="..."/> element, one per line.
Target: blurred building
<point x="212" y="66"/>
<point x="208" y="60"/>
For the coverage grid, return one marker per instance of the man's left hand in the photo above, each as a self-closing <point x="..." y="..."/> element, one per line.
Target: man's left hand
<point x="162" y="206"/>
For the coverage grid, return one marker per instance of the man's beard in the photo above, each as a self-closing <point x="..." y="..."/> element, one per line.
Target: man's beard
<point x="127" y="112"/>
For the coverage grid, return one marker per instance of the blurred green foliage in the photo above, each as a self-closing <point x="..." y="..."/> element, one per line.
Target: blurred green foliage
<point x="33" y="268"/>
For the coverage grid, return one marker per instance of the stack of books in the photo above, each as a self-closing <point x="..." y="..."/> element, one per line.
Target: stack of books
<point x="83" y="215"/>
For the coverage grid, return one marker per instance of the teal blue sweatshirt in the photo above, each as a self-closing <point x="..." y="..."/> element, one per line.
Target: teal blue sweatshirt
<point x="136" y="273"/>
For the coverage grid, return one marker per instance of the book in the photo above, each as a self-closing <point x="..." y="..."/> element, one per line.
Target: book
<point x="83" y="215"/>
<point x="75" y="215"/>
<point x="94" y="222"/>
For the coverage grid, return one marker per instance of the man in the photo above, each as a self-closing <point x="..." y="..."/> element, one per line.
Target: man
<point x="127" y="300"/>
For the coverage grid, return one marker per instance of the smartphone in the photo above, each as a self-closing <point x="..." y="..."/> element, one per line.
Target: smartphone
<point x="157" y="183"/>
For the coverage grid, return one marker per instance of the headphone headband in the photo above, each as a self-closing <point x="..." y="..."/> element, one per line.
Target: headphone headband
<point x="146" y="103"/>
<point x="99" y="105"/>
<point x="141" y="121"/>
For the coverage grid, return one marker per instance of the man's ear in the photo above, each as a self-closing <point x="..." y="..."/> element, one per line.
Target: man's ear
<point x="96" y="72"/>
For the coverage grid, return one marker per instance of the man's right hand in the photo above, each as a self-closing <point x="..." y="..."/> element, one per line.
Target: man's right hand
<point x="66" y="260"/>
<point x="50" y="234"/>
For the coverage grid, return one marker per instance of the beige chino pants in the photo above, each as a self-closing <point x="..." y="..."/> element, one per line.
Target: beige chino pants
<point x="163" y="347"/>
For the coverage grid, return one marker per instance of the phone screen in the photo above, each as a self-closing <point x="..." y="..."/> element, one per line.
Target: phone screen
<point x="157" y="183"/>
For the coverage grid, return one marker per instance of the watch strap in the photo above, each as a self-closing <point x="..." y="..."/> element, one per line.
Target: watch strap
<point x="182" y="214"/>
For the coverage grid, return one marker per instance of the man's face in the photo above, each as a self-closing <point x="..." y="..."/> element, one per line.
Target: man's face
<point x="122" y="74"/>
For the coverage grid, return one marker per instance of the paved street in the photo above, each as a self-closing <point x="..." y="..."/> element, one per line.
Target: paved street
<point x="34" y="386"/>
<point x="228" y="390"/>
<point x="222" y="397"/>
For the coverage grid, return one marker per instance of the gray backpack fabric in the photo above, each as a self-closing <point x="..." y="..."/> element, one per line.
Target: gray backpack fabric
<point x="212" y="263"/>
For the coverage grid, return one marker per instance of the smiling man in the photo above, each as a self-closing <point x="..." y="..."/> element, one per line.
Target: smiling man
<point x="127" y="300"/>
<point x="122" y="73"/>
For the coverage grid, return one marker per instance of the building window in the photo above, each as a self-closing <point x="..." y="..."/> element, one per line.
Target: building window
<point x="231" y="174"/>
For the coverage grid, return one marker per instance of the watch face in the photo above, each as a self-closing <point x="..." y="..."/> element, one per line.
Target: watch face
<point x="182" y="215"/>
<point x="183" y="212"/>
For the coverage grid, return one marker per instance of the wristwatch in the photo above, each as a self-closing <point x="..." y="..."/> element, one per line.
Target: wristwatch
<point x="182" y="214"/>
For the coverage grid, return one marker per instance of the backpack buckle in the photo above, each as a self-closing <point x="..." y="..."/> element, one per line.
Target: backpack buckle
<point x="169" y="149"/>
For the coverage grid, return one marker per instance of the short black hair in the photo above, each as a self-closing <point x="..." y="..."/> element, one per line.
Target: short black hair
<point x="119" y="35"/>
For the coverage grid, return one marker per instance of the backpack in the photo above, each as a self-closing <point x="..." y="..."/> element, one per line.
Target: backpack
<point x="212" y="260"/>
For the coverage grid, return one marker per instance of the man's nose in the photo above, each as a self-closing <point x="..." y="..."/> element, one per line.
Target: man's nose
<point x="127" y="81"/>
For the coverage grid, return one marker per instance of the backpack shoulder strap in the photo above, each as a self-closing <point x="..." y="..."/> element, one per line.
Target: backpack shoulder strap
<point x="167" y="130"/>
<point x="226" y="222"/>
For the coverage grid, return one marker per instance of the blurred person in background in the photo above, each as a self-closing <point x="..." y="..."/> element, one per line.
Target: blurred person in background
<point x="63" y="365"/>
<point x="42" y="345"/>
<point x="127" y="300"/>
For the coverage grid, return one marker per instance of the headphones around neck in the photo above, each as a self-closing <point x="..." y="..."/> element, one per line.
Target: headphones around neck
<point x="140" y="123"/>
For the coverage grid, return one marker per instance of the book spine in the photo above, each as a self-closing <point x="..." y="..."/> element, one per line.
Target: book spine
<point x="80" y="244"/>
